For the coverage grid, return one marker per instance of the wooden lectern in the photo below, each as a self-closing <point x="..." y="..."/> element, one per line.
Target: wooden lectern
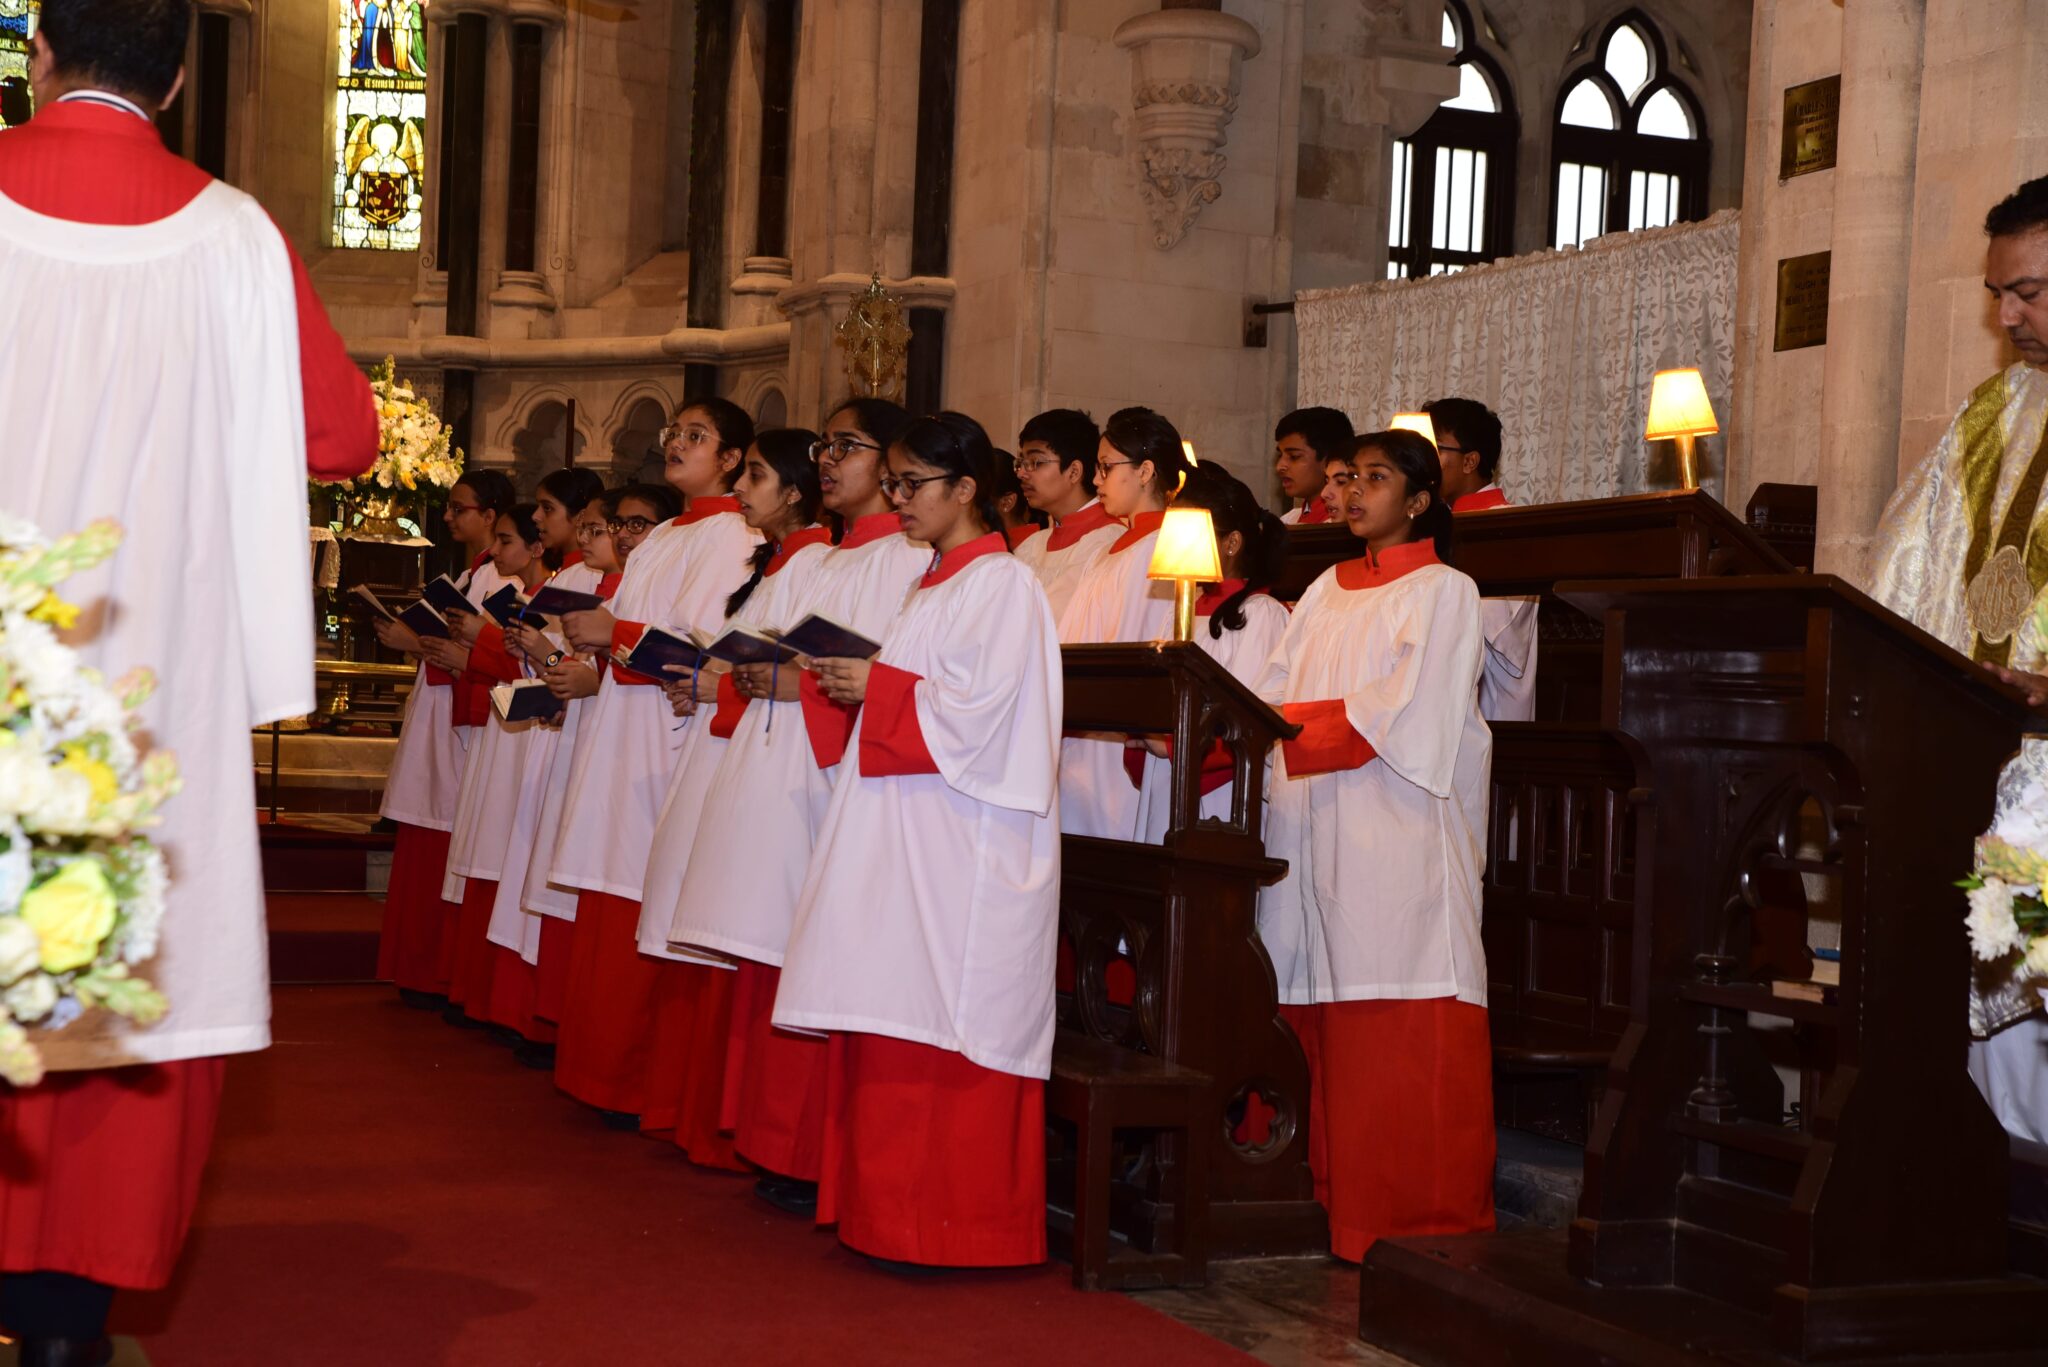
<point x="1807" y="752"/>
<point x="1182" y="915"/>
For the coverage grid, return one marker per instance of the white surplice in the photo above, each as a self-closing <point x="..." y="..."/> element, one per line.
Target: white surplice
<point x="931" y="909"/>
<point x="1507" y="680"/>
<point x="424" y="783"/>
<point x="537" y="894"/>
<point x="1382" y="893"/>
<point x="1061" y="570"/>
<point x="629" y="738"/>
<point x="768" y="799"/>
<point x="512" y="926"/>
<point x="1244" y="653"/>
<point x="1115" y="602"/>
<point x="150" y="374"/>
<point x="675" y="829"/>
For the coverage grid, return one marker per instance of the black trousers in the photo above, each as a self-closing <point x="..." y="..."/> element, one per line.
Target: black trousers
<point x="53" y="1305"/>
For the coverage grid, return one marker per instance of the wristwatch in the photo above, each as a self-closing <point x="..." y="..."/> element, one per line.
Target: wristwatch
<point x="555" y="657"/>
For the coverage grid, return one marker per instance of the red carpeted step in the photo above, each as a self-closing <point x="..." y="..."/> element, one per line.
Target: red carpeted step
<point x="388" y="1190"/>
<point x="323" y="937"/>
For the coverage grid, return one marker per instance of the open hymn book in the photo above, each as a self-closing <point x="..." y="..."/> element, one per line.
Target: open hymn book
<point x="525" y="700"/>
<point x="419" y="616"/>
<point x="816" y="636"/>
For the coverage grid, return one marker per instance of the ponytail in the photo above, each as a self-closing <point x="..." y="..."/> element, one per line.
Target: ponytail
<point x="787" y="451"/>
<point x="1415" y="457"/>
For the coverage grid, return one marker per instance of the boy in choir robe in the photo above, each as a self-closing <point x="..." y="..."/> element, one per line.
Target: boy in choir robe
<point x="1020" y="524"/>
<point x="693" y="993"/>
<point x="1056" y="466"/>
<point x="493" y="780"/>
<point x="767" y="803"/>
<point x="105" y="1155"/>
<point x="632" y="514"/>
<point x="1337" y="476"/>
<point x="1379" y="809"/>
<point x="426" y="771"/>
<point x="678" y="578"/>
<point x="1303" y="442"/>
<point x="1468" y="441"/>
<point x="1140" y="465"/>
<point x="923" y="937"/>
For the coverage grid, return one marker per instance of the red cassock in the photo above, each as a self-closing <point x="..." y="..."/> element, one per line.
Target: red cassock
<point x="99" y="1171"/>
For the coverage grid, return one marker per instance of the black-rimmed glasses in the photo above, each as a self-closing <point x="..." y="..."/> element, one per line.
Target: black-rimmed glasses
<point x="906" y="488"/>
<point x="837" y="449"/>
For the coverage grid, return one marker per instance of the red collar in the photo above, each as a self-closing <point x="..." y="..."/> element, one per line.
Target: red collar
<point x="1312" y="512"/>
<point x="1365" y="573"/>
<point x="1078" y="524"/>
<point x="945" y="566"/>
<point x="1216" y="595"/>
<point x="1019" y="535"/>
<point x="1479" y="500"/>
<point x="702" y="508"/>
<point x="572" y="558"/>
<point x="479" y="562"/>
<point x="84" y="116"/>
<point x="809" y="536"/>
<point x="873" y="527"/>
<point x="1142" y="526"/>
<point x="608" y="585"/>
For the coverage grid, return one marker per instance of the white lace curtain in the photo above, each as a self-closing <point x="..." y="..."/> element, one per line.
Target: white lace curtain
<point x="1562" y="345"/>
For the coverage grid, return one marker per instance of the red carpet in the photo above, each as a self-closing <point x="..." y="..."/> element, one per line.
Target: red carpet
<point x="386" y="1189"/>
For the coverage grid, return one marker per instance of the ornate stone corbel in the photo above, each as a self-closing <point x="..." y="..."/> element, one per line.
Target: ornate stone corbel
<point x="1186" y="67"/>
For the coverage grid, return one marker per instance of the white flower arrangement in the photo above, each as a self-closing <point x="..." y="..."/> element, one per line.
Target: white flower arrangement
<point x="81" y="888"/>
<point x="413" y="444"/>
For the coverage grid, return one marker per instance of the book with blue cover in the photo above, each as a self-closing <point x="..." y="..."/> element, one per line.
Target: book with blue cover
<point x="419" y="616"/>
<point x="526" y="700"/>
<point x="506" y="606"/>
<point x="821" y="638"/>
<point x="446" y="597"/>
<point x="552" y="600"/>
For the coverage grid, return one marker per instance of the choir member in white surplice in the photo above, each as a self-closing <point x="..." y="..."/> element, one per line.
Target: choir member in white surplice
<point x="1304" y="443"/>
<point x="1238" y="621"/>
<point x="760" y="821"/>
<point x="1056" y="466"/>
<point x="1139" y="466"/>
<point x="1379" y="809"/>
<point x="923" y="938"/>
<point x="693" y="992"/>
<point x="425" y="777"/>
<point x="679" y="578"/>
<point x="1468" y="436"/>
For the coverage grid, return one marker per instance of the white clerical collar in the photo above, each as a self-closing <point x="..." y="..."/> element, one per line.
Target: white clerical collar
<point x="110" y="100"/>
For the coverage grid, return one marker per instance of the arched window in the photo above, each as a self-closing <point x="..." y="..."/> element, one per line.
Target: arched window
<point x="17" y="26"/>
<point x="380" y="124"/>
<point x="1629" y="150"/>
<point x="1453" y="201"/>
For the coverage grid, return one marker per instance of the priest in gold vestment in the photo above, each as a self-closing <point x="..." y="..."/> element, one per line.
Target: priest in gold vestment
<point x="1962" y="552"/>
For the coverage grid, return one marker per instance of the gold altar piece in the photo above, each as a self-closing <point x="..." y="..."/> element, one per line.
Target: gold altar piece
<point x="876" y="340"/>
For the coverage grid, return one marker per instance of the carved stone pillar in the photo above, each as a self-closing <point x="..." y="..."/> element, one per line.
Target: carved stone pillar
<point x="523" y="304"/>
<point x="1186" y="68"/>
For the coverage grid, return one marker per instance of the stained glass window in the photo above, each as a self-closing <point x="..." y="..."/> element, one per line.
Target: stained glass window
<point x="17" y="26"/>
<point x="380" y="124"/>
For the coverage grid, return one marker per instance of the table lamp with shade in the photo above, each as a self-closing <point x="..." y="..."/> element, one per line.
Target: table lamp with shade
<point x="1681" y="412"/>
<point x="1420" y="424"/>
<point x="1186" y="553"/>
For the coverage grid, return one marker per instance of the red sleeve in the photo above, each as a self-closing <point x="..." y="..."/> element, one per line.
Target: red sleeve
<point x="341" y="417"/>
<point x="891" y="741"/>
<point x="626" y="635"/>
<point x="1217" y="766"/>
<point x="829" y="724"/>
<point x="488" y="657"/>
<point x="731" y="707"/>
<point x="1327" y="743"/>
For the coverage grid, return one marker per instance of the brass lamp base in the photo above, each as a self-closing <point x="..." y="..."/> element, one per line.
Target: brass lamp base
<point x="1184" y="609"/>
<point x="1688" y="463"/>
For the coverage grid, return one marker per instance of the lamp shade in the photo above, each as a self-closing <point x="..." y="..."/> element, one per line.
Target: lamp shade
<point x="1186" y="548"/>
<point x="1679" y="406"/>
<point x="1418" y="423"/>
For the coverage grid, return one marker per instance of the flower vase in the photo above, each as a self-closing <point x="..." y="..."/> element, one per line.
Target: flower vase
<point x="377" y="518"/>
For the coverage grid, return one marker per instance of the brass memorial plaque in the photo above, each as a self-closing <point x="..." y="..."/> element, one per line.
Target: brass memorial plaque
<point x="1813" y="116"/>
<point x="1802" y="302"/>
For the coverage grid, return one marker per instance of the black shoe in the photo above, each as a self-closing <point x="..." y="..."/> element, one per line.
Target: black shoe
<point x="911" y="1271"/>
<point x="505" y="1035"/>
<point x="422" y="1001"/>
<point x="788" y="1193"/>
<point x="620" y="1120"/>
<point x="453" y="1014"/>
<point x="66" y="1352"/>
<point x="540" y="1057"/>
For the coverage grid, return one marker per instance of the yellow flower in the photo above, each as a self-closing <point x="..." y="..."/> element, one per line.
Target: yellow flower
<point x="55" y="611"/>
<point x="105" y="786"/>
<point x="71" y="913"/>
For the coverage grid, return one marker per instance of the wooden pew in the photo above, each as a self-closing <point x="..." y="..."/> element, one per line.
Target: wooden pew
<point x="1792" y="730"/>
<point x="1182" y="915"/>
